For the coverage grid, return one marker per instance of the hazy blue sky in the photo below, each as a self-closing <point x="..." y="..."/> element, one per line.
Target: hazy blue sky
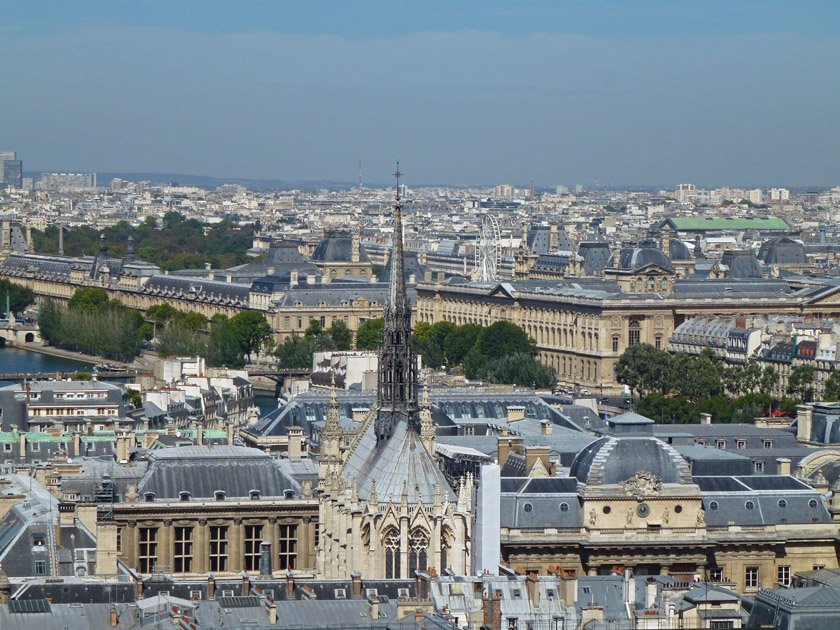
<point x="738" y="93"/>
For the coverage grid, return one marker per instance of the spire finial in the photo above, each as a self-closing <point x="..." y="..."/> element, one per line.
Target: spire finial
<point x="397" y="175"/>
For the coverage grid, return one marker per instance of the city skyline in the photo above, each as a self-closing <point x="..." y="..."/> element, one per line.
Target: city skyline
<point x="652" y="95"/>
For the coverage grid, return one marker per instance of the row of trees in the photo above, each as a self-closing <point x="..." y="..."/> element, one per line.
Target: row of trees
<point x="222" y="341"/>
<point x="93" y="324"/>
<point x="678" y="387"/>
<point x="500" y="353"/>
<point x="296" y="352"/>
<point x="171" y="243"/>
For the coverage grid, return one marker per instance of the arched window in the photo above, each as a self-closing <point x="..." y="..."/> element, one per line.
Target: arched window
<point x="392" y="554"/>
<point x="418" y="547"/>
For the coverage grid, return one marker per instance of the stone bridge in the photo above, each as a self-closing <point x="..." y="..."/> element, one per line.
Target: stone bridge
<point x="18" y="334"/>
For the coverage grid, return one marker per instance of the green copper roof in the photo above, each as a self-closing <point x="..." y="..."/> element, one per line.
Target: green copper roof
<point x="734" y="223"/>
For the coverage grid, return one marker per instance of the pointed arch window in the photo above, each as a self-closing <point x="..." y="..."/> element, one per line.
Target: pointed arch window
<point x="392" y="554"/>
<point x="418" y="552"/>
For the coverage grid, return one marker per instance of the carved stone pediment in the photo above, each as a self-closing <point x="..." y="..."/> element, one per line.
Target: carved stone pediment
<point x="643" y="484"/>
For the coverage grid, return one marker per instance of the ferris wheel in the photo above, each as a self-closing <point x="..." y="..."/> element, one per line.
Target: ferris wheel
<point x="488" y="250"/>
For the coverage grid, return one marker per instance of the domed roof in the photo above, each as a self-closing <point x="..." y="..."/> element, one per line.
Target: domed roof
<point x="337" y="247"/>
<point x="742" y="264"/>
<point x="612" y="460"/>
<point x="782" y="251"/>
<point x="677" y="250"/>
<point x="634" y="258"/>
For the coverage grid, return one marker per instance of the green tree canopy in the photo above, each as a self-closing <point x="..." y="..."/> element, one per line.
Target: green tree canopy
<point x="369" y="335"/>
<point x="20" y="297"/>
<point x="223" y="349"/>
<point x="250" y="329"/>
<point x="342" y="338"/>
<point x="88" y="299"/>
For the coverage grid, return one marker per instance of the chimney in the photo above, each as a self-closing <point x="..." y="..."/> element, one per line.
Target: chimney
<point x="546" y="427"/>
<point x="650" y="593"/>
<point x="508" y="445"/>
<point x="199" y="432"/>
<point x="310" y="279"/>
<point x="782" y="466"/>
<point x="427" y="276"/>
<point x="422" y="580"/>
<point x="492" y="611"/>
<point x="592" y="613"/>
<point x="77" y="444"/>
<point x="373" y="606"/>
<point x="123" y="446"/>
<point x="441" y="276"/>
<point x="532" y="583"/>
<point x="290" y="585"/>
<point x="705" y="418"/>
<point x="804" y="418"/>
<point x="293" y="278"/>
<point x="356" y="579"/>
<point x="271" y="611"/>
<point x="211" y="586"/>
<point x="265" y="559"/>
<point x="295" y="442"/>
<point x="113" y="620"/>
<point x="271" y="271"/>
<point x="514" y="413"/>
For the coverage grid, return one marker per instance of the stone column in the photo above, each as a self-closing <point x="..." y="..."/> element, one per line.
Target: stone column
<point x="129" y="544"/>
<point x="435" y="545"/>
<point x="304" y="543"/>
<point x="201" y="547"/>
<point x="404" y="548"/>
<point x="165" y="553"/>
<point x="235" y="556"/>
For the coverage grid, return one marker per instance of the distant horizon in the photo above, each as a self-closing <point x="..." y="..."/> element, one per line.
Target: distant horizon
<point x="137" y="176"/>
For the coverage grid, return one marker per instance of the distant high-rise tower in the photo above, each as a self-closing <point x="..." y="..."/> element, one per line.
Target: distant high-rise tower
<point x="5" y="155"/>
<point x="13" y="173"/>
<point x="531" y="191"/>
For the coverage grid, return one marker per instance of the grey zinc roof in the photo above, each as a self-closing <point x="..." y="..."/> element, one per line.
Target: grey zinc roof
<point x="202" y="470"/>
<point x="337" y="248"/>
<point x="402" y="462"/>
<point x="639" y="257"/>
<point x="613" y="460"/>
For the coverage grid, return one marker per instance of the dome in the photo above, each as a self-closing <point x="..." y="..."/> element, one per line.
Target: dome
<point x="677" y="250"/>
<point x="782" y="251"/>
<point x="742" y="264"/>
<point x="337" y="247"/>
<point x="637" y="257"/>
<point x="611" y="460"/>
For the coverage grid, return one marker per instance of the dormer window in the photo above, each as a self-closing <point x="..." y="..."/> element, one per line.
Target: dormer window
<point x="184" y="495"/>
<point x="219" y="495"/>
<point x="254" y="494"/>
<point x="149" y="497"/>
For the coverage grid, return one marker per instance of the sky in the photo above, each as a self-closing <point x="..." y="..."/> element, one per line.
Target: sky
<point x="463" y="93"/>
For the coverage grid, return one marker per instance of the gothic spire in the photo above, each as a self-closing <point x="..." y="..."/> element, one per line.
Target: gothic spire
<point x="397" y="388"/>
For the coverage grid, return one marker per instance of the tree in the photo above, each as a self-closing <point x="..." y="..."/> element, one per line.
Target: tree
<point x="295" y="353"/>
<point x="459" y="342"/>
<point x="645" y="369"/>
<point x="504" y="338"/>
<point x="161" y="313"/>
<point x="769" y="379"/>
<point x="369" y="335"/>
<point x="313" y="330"/>
<point x="801" y="382"/>
<point x="250" y="329"/>
<point x="134" y="398"/>
<point x="88" y="299"/>
<point x="832" y="387"/>
<point x="223" y="348"/>
<point x="519" y="368"/>
<point x="20" y="297"/>
<point x="178" y="340"/>
<point x="341" y="336"/>
<point x="194" y="321"/>
<point x="49" y="321"/>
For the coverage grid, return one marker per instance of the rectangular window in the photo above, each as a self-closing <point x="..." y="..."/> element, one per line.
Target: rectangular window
<point x="148" y="549"/>
<point x="287" y="547"/>
<point x="323" y="321"/>
<point x="119" y="539"/>
<point x="658" y="342"/>
<point x="716" y="574"/>
<point x="742" y="444"/>
<point x="783" y="575"/>
<point x="218" y="547"/>
<point x="253" y="538"/>
<point x="759" y="466"/>
<point x="183" y="549"/>
<point x="722" y="624"/>
<point x="513" y="623"/>
<point x="40" y="567"/>
<point x="751" y="577"/>
<point x="287" y="322"/>
<point x="720" y="443"/>
<point x="768" y="443"/>
<point x="299" y="322"/>
<point x="819" y="567"/>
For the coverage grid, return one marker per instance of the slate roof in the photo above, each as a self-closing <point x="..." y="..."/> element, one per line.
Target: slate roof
<point x="742" y="264"/>
<point x="337" y="247"/>
<point x="202" y="470"/>
<point x="402" y="462"/>
<point x="595" y="256"/>
<point x="611" y="460"/>
<point x="638" y="257"/>
<point x="782" y="251"/>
